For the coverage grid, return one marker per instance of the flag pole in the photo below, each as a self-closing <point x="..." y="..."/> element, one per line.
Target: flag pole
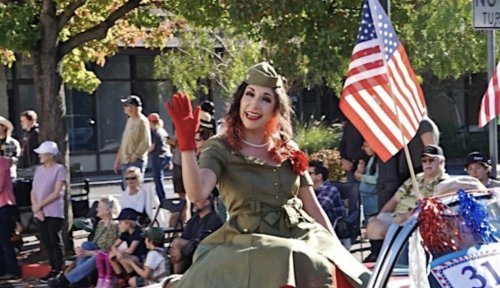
<point x="493" y="124"/>
<point x="386" y="4"/>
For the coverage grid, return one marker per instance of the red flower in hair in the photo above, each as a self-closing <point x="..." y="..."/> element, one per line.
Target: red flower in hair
<point x="299" y="162"/>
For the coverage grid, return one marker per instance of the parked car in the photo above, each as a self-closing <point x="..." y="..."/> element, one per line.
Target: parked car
<point x="391" y="268"/>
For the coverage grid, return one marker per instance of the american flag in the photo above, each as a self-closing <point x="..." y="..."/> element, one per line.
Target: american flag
<point x="379" y="68"/>
<point x="490" y="105"/>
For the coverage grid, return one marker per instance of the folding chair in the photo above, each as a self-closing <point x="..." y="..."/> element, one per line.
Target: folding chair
<point x="173" y="206"/>
<point x="79" y="196"/>
<point x="350" y="196"/>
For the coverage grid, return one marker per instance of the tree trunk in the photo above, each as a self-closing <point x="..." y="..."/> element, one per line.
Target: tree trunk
<point x="51" y="99"/>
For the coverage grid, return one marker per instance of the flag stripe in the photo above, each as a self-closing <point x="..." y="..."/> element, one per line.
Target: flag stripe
<point x="386" y="121"/>
<point x="383" y="105"/>
<point x="367" y="69"/>
<point x="383" y="93"/>
<point x="402" y="64"/>
<point x="415" y="86"/>
<point x="358" y="119"/>
<point x="365" y="74"/>
<point x="490" y="104"/>
<point x="374" y="105"/>
<point x="403" y="97"/>
<point x="368" y="129"/>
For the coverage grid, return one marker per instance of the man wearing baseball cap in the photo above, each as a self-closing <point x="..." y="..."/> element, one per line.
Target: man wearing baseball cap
<point x="479" y="166"/>
<point x="405" y="200"/>
<point x="136" y="138"/>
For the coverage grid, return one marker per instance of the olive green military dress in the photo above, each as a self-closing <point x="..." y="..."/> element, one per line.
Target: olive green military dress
<point x="268" y="239"/>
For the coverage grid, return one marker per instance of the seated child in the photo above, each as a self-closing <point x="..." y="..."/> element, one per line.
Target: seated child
<point x="130" y="244"/>
<point x="155" y="265"/>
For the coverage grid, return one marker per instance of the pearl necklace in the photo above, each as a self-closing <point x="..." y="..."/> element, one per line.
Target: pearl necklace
<point x="254" y="145"/>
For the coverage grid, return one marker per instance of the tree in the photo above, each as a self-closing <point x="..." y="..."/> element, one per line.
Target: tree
<point x="62" y="35"/>
<point x="205" y="57"/>
<point x="311" y="41"/>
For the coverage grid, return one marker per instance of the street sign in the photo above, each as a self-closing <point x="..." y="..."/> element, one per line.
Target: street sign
<point x="486" y="14"/>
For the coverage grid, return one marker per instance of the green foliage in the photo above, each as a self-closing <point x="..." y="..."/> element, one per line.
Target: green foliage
<point x="315" y="135"/>
<point x="19" y="30"/>
<point x="332" y="160"/>
<point x="311" y="42"/>
<point x="76" y="75"/>
<point x="7" y="57"/>
<point x="439" y="38"/>
<point x="198" y="58"/>
<point x="74" y="71"/>
<point x="145" y="17"/>
<point x="297" y="35"/>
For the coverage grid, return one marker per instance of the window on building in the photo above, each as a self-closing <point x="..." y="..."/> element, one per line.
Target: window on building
<point x="144" y="66"/>
<point x="80" y="121"/>
<point x="27" y="97"/>
<point x="117" y="67"/>
<point x="111" y="119"/>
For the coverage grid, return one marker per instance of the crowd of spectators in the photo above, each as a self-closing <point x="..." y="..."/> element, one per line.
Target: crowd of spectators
<point x="125" y="250"/>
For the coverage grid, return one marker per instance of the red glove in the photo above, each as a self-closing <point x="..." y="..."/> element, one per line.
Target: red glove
<point x="185" y="121"/>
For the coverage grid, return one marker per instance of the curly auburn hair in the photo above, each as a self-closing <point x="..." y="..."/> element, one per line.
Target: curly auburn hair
<point x="278" y="129"/>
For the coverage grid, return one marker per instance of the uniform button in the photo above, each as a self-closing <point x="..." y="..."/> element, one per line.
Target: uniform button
<point x="245" y="230"/>
<point x="274" y="170"/>
<point x="276" y="197"/>
<point x="275" y="183"/>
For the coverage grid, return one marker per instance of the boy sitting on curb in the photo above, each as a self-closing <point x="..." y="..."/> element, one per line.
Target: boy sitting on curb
<point x="130" y="244"/>
<point x="155" y="266"/>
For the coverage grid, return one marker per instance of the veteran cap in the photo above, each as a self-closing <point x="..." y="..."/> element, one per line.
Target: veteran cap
<point x="433" y="151"/>
<point x="263" y="74"/>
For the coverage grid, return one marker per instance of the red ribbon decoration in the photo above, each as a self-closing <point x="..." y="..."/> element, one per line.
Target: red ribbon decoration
<point x="439" y="227"/>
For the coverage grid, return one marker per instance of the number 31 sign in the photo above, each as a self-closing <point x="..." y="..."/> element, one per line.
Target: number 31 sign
<point x="476" y="267"/>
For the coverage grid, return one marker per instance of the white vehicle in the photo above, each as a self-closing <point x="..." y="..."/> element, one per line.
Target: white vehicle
<point x="391" y="269"/>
